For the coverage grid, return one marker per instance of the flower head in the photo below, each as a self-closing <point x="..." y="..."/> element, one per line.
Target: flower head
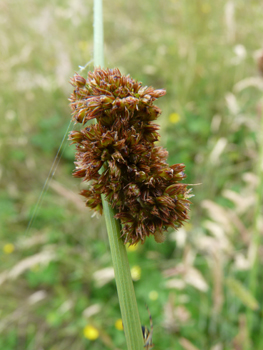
<point x="119" y="324"/>
<point x="90" y="332"/>
<point x="119" y="159"/>
<point x="8" y="248"/>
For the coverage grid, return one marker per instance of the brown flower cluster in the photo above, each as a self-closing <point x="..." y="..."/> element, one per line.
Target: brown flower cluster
<point x="119" y="159"/>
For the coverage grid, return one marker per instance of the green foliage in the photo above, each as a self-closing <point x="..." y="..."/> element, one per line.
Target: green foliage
<point x="56" y="278"/>
<point x="242" y="293"/>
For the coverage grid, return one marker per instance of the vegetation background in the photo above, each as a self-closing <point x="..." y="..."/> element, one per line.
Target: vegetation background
<point x="202" y="287"/>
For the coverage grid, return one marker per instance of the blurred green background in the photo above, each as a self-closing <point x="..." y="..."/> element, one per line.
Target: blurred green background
<point x="57" y="286"/>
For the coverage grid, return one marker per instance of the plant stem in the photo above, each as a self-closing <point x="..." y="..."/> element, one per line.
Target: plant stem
<point x="98" y="34"/>
<point x="127" y="299"/>
<point x="126" y="294"/>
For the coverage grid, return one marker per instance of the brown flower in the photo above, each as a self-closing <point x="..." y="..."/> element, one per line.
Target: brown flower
<point x="119" y="159"/>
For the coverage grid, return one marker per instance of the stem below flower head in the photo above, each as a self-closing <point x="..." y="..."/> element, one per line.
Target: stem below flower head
<point x="126" y="294"/>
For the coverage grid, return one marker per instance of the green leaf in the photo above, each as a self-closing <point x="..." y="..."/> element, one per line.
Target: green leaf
<point x="242" y="293"/>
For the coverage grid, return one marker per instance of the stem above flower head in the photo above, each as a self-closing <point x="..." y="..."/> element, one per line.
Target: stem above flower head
<point x="98" y="33"/>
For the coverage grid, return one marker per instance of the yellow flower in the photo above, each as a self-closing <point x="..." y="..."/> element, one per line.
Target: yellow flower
<point x="119" y="325"/>
<point x="8" y="248"/>
<point x="132" y="248"/>
<point x="174" y="118"/>
<point x="153" y="295"/>
<point x="90" y="332"/>
<point x="206" y="8"/>
<point x="136" y="272"/>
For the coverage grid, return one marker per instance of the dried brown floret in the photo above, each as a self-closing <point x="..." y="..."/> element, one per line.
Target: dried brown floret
<point x="118" y="158"/>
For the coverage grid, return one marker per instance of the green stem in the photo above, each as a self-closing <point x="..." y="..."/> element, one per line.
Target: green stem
<point x="126" y="294"/>
<point x="98" y="34"/>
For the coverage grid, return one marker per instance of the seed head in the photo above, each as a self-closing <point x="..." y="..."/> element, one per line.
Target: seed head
<point x="119" y="159"/>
